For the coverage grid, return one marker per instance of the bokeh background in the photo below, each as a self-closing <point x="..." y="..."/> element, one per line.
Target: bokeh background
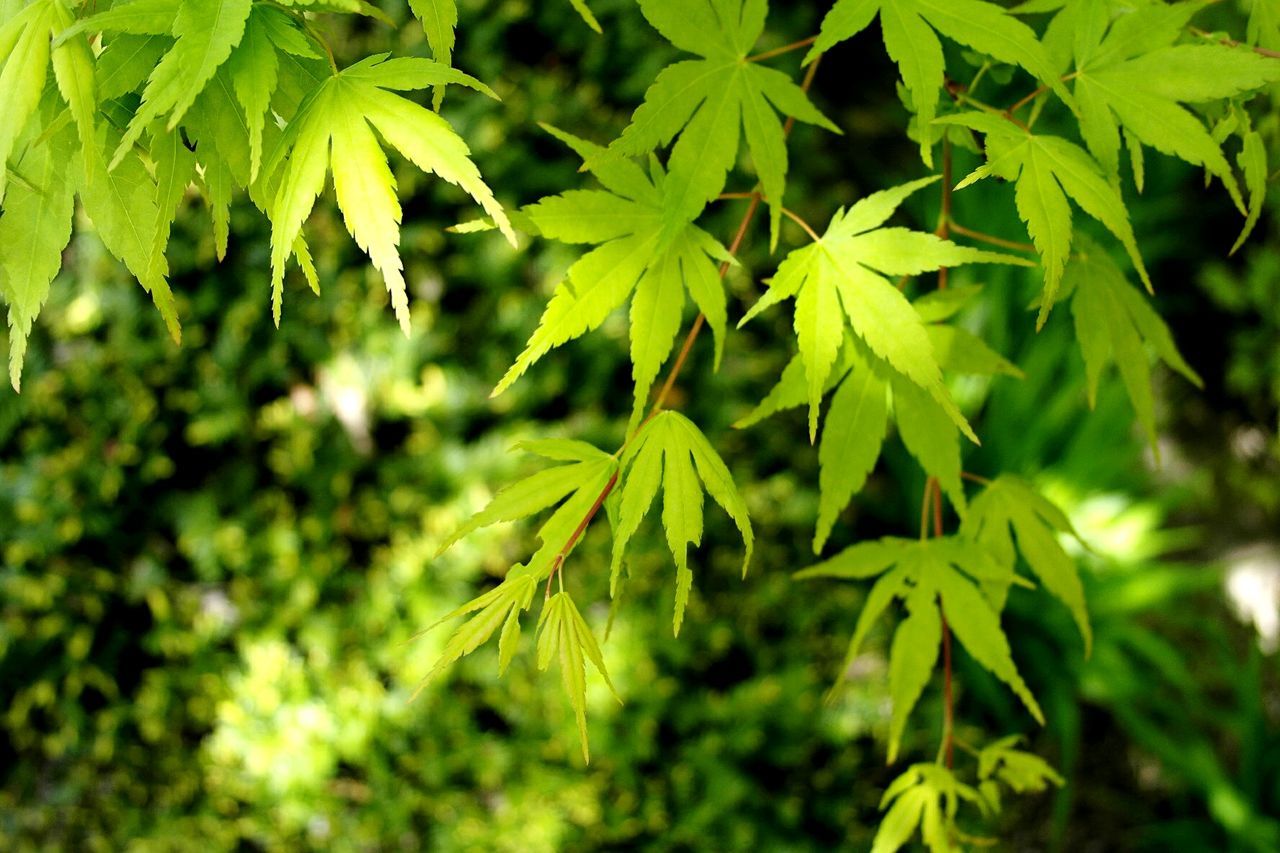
<point x="215" y="560"/>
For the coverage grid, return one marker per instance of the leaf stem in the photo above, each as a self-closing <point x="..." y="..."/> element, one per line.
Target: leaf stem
<point x="957" y="228"/>
<point x="947" y="748"/>
<point x="808" y="229"/>
<point x="779" y="51"/>
<point x="976" y="478"/>
<point x="1261" y="51"/>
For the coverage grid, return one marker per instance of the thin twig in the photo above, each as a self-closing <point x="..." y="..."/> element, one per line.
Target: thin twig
<point x="957" y="228"/>
<point x="1261" y="51"/>
<point x="948" y="699"/>
<point x="786" y="48"/>
<point x="808" y="229"/>
<point x="976" y="478"/>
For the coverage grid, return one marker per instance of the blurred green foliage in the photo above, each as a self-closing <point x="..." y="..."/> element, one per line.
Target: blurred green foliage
<point x="215" y="561"/>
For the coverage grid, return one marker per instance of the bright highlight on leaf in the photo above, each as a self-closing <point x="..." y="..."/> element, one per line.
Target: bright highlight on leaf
<point x="334" y="130"/>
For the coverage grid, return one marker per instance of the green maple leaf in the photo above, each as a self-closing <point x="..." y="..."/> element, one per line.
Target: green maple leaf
<point x="574" y="487"/>
<point x="1136" y="78"/>
<point x="564" y="634"/>
<point x="672" y="452"/>
<point x="34" y="230"/>
<point x="936" y="578"/>
<point x="1009" y="506"/>
<point x="1115" y="324"/>
<point x="854" y="427"/>
<point x="333" y="130"/>
<point x="1022" y="772"/>
<point x="839" y="282"/>
<point x="926" y="797"/>
<point x="646" y="247"/>
<point x="908" y="29"/>
<point x="708" y="103"/>
<point x="27" y="47"/>
<point x="1048" y="170"/>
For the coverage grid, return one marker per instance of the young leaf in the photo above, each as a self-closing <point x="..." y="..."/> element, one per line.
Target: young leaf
<point x="1023" y="772"/>
<point x="1009" y="506"/>
<point x="339" y="117"/>
<point x="1047" y="170"/>
<point x="670" y="451"/>
<point x="1113" y="321"/>
<point x="1253" y="162"/>
<point x="907" y="27"/>
<point x="926" y="796"/>
<point x="709" y="102"/>
<point x="841" y="278"/>
<point x="501" y="605"/>
<point x="564" y="634"/>
<point x="645" y="248"/>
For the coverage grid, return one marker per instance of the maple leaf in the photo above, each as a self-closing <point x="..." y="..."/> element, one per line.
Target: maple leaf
<point x="838" y="282"/>
<point x="647" y="247"/>
<point x="1048" y="169"/>
<point x="672" y="452"/>
<point x="927" y="797"/>
<point x="333" y="130"/>
<point x="1136" y="78"/>
<point x="908" y="29"/>
<point x="709" y="102"/>
<point x="1009" y="506"/>
<point x="1115" y="324"/>
<point x="936" y="578"/>
<point x="853" y="430"/>
<point x="564" y="634"/>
